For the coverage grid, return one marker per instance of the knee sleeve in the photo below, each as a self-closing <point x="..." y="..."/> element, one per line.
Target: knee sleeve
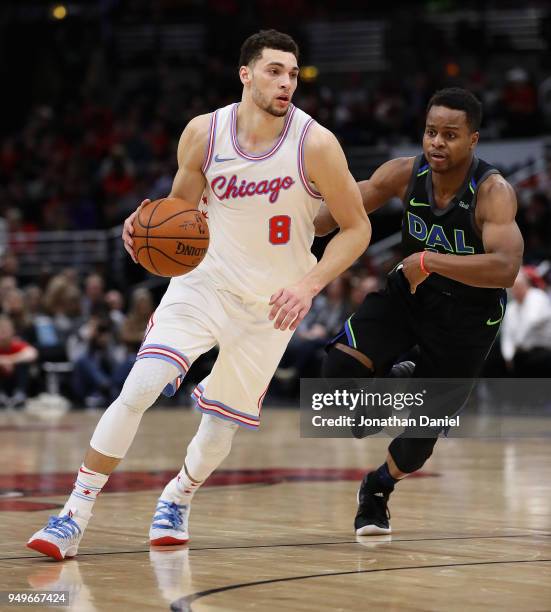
<point x="118" y="425"/>
<point x="338" y="364"/>
<point x="209" y="447"/>
<point x="145" y="383"/>
<point x="410" y="454"/>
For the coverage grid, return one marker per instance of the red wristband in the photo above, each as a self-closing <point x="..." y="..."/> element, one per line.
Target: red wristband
<point x="422" y="263"/>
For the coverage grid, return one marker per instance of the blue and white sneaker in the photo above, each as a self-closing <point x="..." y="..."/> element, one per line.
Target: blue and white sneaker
<point x="59" y="539"/>
<point x="170" y="524"/>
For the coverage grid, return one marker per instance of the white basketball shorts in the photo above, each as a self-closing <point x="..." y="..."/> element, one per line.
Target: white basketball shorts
<point x="194" y="316"/>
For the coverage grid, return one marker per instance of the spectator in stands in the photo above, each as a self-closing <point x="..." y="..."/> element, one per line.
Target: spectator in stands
<point x="535" y="224"/>
<point x="132" y="331"/>
<point x="117" y="173"/>
<point x="93" y="301"/>
<point x="133" y="328"/>
<point x="71" y="275"/>
<point x="115" y="304"/>
<point x="33" y="300"/>
<point x="14" y="307"/>
<point x="544" y="96"/>
<point x="7" y="283"/>
<point x="526" y="330"/>
<point x="3" y="237"/>
<point x="9" y="264"/>
<point x="520" y="104"/>
<point x="15" y="357"/>
<point x="360" y="287"/>
<point x="95" y="381"/>
<point x="59" y="318"/>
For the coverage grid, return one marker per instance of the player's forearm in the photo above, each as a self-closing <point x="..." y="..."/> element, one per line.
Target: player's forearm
<point x="372" y="199"/>
<point x="490" y="270"/>
<point x="340" y="253"/>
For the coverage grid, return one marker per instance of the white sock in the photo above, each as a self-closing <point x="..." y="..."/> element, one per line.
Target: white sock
<point x="180" y="489"/>
<point x="86" y="488"/>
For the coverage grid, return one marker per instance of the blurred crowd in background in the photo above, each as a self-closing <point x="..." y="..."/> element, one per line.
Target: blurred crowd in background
<point x="94" y="332"/>
<point x="97" y="131"/>
<point x="88" y="328"/>
<point x="99" y="123"/>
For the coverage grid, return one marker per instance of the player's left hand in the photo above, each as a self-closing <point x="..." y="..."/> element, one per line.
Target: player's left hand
<point x="290" y="306"/>
<point x="411" y="267"/>
<point x="128" y="230"/>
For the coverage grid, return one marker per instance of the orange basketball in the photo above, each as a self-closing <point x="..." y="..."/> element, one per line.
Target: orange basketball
<point x="171" y="237"/>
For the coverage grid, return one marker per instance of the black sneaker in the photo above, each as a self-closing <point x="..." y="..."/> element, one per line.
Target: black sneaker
<point x="373" y="516"/>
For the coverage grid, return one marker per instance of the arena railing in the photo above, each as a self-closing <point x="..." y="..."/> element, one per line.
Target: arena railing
<point x="40" y="253"/>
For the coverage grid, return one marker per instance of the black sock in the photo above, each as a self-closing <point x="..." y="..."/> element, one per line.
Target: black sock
<point x="383" y="480"/>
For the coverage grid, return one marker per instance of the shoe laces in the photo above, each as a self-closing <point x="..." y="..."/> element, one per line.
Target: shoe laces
<point x="171" y="512"/>
<point x="62" y="526"/>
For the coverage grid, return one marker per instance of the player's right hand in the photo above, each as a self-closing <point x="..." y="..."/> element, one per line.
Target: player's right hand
<point x="128" y="231"/>
<point x="290" y="306"/>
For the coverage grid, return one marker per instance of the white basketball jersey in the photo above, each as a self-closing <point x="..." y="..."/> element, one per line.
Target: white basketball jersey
<point x="261" y="208"/>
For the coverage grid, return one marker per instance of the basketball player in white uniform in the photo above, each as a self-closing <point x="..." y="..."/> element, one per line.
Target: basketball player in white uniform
<point x="264" y="167"/>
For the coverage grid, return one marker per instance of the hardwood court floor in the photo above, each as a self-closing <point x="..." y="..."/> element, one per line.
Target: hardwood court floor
<point x="274" y="529"/>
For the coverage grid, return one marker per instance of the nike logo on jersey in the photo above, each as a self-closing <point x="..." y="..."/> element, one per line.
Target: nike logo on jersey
<point x="412" y="202"/>
<point x="219" y="159"/>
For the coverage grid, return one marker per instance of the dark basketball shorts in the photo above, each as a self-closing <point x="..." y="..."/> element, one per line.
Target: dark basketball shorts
<point x="453" y="334"/>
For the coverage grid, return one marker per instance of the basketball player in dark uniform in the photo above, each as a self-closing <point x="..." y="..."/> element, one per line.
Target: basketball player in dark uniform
<point x="461" y="248"/>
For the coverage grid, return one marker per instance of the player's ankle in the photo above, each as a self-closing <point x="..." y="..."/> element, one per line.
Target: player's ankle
<point x="78" y="515"/>
<point x="176" y="492"/>
<point x="383" y="480"/>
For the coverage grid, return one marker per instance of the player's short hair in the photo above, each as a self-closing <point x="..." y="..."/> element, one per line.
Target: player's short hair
<point x="457" y="98"/>
<point x="251" y="49"/>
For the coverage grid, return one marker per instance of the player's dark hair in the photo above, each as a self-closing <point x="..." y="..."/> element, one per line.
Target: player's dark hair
<point x="457" y="98"/>
<point x="252" y="48"/>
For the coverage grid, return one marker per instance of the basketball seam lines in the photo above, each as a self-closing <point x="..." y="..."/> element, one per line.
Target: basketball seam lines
<point x="139" y="219"/>
<point x="147" y="235"/>
<point x="171" y="216"/>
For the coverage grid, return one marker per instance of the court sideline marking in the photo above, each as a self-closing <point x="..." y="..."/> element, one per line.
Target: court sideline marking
<point x="298" y="545"/>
